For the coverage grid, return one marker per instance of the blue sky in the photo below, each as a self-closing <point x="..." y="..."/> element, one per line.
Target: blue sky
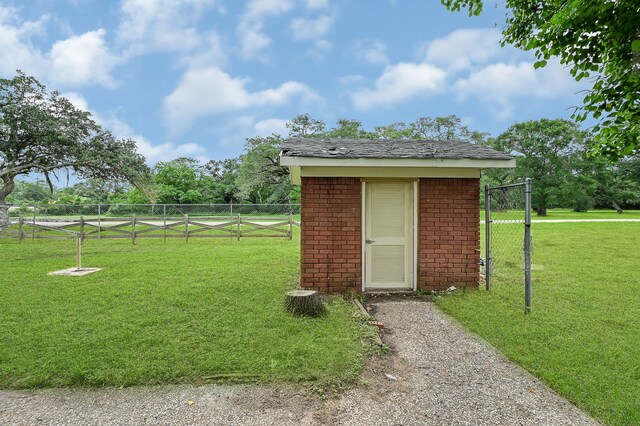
<point x="197" y="77"/>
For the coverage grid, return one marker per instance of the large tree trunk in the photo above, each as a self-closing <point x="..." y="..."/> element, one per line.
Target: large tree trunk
<point x="617" y="207"/>
<point x="541" y="211"/>
<point x="7" y="187"/>
<point x="4" y="216"/>
<point x="603" y="192"/>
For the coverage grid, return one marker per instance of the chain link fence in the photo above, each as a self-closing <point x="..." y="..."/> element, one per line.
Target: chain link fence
<point x="508" y="236"/>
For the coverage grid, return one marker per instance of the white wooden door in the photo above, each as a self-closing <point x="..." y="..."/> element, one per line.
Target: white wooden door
<point x="388" y="235"/>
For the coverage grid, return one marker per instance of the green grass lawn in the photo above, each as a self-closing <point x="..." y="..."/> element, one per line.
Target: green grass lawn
<point x="563" y="214"/>
<point x="591" y="214"/>
<point x="165" y="313"/>
<point x="583" y="335"/>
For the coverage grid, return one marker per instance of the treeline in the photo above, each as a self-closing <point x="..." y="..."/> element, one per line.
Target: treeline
<point x="554" y="153"/>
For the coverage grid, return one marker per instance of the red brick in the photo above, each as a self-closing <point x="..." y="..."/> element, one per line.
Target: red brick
<point x="448" y="240"/>
<point x="331" y="238"/>
<point x="448" y="233"/>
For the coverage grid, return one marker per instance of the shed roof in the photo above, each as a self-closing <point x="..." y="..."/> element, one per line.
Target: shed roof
<point x="340" y="148"/>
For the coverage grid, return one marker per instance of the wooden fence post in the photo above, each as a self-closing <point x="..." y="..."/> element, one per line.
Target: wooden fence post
<point x="20" y="230"/>
<point x="78" y="253"/>
<point x="33" y="228"/>
<point x="238" y="230"/>
<point x="81" y="234"/>
<point x="133" y="229"/>
<point x="186" y="227"/>
<point x="290" y="226"/>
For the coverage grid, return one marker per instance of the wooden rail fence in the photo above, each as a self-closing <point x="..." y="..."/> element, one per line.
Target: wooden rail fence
<point x="236" y="226"/>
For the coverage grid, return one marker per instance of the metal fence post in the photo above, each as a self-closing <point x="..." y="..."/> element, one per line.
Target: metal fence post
<point x="164" y="221"/>
<point x="99" y="221"/>
<point x="527" y="246"/>
<point x="487" y="236"/>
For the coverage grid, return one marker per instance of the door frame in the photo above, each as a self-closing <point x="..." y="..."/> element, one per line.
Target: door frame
<point x="414" y="231"/>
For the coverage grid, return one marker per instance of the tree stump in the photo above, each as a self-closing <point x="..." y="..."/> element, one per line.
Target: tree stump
<point x="304" y="303"/>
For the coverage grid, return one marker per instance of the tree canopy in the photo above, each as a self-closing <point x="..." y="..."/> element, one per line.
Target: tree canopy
<point x="545" y="150"/>
<point x="261" y="178"/>
<point x="599" y="40"/>
<point x="552" y="152"/>
<point x="43" y="132"/>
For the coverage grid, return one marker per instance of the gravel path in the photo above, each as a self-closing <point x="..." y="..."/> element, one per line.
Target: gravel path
<point x="438" y="374"/>
<point x="446" y="376"/>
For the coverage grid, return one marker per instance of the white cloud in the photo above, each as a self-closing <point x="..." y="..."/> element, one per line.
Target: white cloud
<point x="259" y="9"/>
<point x="464" y="48"/>
<point x="311" y="29"/>
<point x="211" y="53"/>
<point x="317" y="4"/>
<point x="81" y="60"/>
<point x="270" y="126"/>
<point x="253" y="40"/>
<point x="168" y="151"/>
<point x="399" y="83"/>
<point x="371" y="51"/>
<point x="160" y="25"/>
<point x="211" y="91"/>
<point x="500" y="85"/>
<point x="15" y="43"/>
<point x="152" y="153"/>
<point x="351" y="79"/>
<point x="75" y="61"/>
<point x="319" y="49"/>
<point x="77" y="100"/>
<point x="121" y="129"/>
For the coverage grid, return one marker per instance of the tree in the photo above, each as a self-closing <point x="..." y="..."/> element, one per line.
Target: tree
<point x="261" y="178"/>
<point x="29" y="193"/>
<point x="223" y="186"/>
<point x="305" y="126"/>
<point x="616" y="185"/>
<point x="178" y="181"/>
<point x="397" y="130"/>
<point x="596" y="39"/>
<point x="545" y="151"/>
<point x="439" y="128"/>
<point x="349" y="129"/>
<point x="99" y="190"/>
<point x="42" y="132"/>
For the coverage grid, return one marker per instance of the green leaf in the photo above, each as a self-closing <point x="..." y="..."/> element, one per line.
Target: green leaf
<point x="540" y="64"/>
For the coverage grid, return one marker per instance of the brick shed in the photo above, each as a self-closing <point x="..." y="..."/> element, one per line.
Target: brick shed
<point x="389" y="214"/>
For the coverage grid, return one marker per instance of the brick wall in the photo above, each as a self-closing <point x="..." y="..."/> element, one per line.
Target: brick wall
<point x="448" y="240"/>
<point x="449" y="233"/>
<point x="331" y="241"/>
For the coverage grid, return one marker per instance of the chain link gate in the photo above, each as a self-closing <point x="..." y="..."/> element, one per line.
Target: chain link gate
<point x="507" y="207"/>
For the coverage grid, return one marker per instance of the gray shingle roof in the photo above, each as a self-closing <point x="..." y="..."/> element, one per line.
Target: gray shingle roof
<point x="388" y="148"/>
